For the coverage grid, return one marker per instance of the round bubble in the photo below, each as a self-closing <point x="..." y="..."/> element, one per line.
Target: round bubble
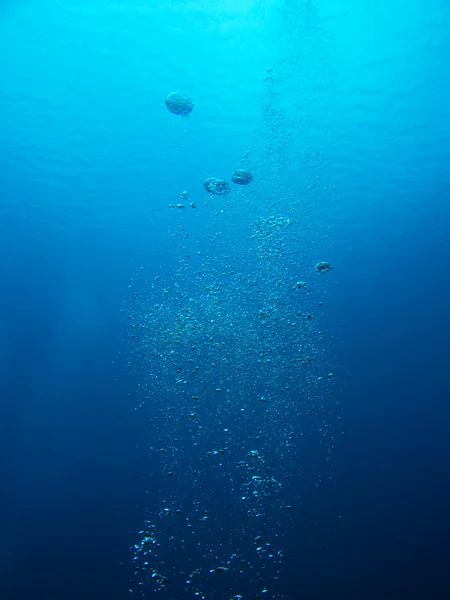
<point x="179" y="104"/>
<point x="323" y="267"/>
<point x="241" y="176"/>
<point x="216" y="186"/>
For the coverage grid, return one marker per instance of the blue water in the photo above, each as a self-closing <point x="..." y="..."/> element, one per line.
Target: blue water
<point x="116" y="309"/>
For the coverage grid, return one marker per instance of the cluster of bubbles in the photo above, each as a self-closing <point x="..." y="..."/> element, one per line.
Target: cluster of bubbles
<point x="213" y="185"/>
<point x="181" y="104"/>
<point x="236" y="384"/>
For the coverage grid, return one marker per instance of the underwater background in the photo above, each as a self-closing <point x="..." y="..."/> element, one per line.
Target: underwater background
<point x="238" y="395"/>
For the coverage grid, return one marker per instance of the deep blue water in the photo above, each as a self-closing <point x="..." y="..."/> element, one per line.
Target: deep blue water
<point x="342" y="113"/>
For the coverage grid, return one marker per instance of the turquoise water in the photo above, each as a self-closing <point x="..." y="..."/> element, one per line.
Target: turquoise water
<point x="184" y="377"/>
